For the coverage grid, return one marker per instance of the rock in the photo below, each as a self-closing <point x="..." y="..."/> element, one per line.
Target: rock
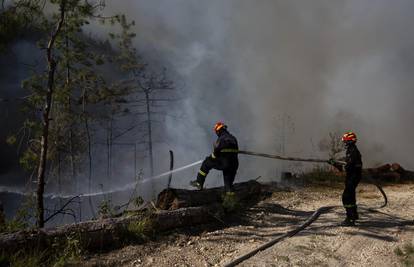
<point x="150" y="260"/>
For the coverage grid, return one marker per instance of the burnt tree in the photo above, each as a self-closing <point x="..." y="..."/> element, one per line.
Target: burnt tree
<point x="46" y="116"/>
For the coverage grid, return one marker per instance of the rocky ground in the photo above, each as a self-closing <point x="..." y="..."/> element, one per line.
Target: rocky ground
<point x="374" y="241"/>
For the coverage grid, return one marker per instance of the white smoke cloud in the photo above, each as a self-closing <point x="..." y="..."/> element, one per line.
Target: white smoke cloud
<point x="328" y="65"/>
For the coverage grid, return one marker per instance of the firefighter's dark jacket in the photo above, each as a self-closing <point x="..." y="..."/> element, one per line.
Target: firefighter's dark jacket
<point x="353" y="159"/>
<point x="225" y="145"/>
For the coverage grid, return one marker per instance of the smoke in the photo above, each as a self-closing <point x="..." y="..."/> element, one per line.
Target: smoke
<point x="282" y="75"/>
<point x="327" y="66"/>
<point x="14" y="68"/>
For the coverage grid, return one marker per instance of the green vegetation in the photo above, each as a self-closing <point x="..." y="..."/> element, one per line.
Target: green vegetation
<point x="22" y="218"/>
<point x="23" y="259"/>
<point x="230" y="202"/>
<point x="71" y="97"/>
<point x="137" y="201"/>
<point x="105" y="209"/>
<point x="59" y="254"/>
<point x="138" y="231"/>
<point x="66" y="89"/>
<point x="284" y="258"/>
<point x="70" y="252"/>
<point x="18" y="18"/>
<point x="405" y="254"/>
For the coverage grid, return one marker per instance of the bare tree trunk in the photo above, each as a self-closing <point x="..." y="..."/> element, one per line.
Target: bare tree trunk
<point x="171" y="168"/>
<point x="151" y="158"/>
<point x="59" y="177"/>
<point x="46" y="120"/>
<point x="71" y="156"/>
<point x="135" y="160"/>
<point x="88" y="135"/>
<point x="109" y="149"/>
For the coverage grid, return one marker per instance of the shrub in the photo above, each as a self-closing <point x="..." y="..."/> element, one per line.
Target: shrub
<point x="405" y="254"/>
<point x="138" y="231"/>
<point x="230" y="202"/>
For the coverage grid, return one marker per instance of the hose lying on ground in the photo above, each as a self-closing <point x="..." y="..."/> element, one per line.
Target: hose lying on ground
<point x="372" y="181"/>
<point x="310" y="219"/>
<point x="293" y="232"/>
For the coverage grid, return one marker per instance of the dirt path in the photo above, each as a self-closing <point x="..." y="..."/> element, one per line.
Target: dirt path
<point x="371" y="243"/>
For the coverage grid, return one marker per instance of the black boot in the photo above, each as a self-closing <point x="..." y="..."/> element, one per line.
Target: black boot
<point x="348" y="222"/>
<point x="355" y="215"/>
<point x="350" y="218"/>
<point x="228" y="187"/>
<point x="199" y="182"/>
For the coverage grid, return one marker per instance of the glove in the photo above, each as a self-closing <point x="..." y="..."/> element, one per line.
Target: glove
<point x="337" y="165"/>
<point x="332" y="162"/>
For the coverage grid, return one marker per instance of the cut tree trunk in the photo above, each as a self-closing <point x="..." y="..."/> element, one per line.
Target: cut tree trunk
<point x="112" y="232"/>
<point x="389" y="172"/>
<point x="171" y="199"/>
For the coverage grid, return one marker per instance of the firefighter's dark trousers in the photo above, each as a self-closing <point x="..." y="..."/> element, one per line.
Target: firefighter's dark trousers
<point x="228" y="164"/>
<point x="348" y="196"/>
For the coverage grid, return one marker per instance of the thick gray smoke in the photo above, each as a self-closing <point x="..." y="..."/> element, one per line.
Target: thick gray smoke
<point x="16" y="66"/>
<point x="325" y="65"/>
<point x="282" y="75"/>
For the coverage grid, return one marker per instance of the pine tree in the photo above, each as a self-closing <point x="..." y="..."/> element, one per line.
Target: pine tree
<point x="71" y="86"/>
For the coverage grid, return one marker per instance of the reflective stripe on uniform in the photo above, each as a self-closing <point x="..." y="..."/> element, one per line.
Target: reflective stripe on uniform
<point x="213" y="156"/>
<point x="229" y="150"/>
<point x="202" y="173"/>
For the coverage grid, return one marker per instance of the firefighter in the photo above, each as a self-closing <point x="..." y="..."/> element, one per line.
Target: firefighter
<point x="224" y="158"/>
<point x="353" y="169"/>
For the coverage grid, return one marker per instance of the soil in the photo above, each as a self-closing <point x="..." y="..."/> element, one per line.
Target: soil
<point x="371" y="242"/>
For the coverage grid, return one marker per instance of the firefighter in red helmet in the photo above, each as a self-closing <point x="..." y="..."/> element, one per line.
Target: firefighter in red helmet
<point x="353" y="169"/>
<point x="224" y="158"/>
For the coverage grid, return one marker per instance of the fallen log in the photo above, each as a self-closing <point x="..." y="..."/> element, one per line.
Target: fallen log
<point x="389" y="172"/>
<point x="106" y="233"/>
<point x="171" y="198"/>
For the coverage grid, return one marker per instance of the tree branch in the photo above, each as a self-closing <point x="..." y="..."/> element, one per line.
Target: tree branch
<point x="59" y="211"/>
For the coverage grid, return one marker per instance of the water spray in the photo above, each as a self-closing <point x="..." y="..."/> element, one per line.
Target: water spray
<point x="134" y="184"/>
<point x="130" y="185"/>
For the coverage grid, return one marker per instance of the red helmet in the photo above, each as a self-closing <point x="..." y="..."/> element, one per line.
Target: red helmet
<point x="349" y="137"/>
<point x="219" y="125"/>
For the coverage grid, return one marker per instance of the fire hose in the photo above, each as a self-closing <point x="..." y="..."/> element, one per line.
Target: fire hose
<point x="264" y="155"/>
<point x="315" y="215"/>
